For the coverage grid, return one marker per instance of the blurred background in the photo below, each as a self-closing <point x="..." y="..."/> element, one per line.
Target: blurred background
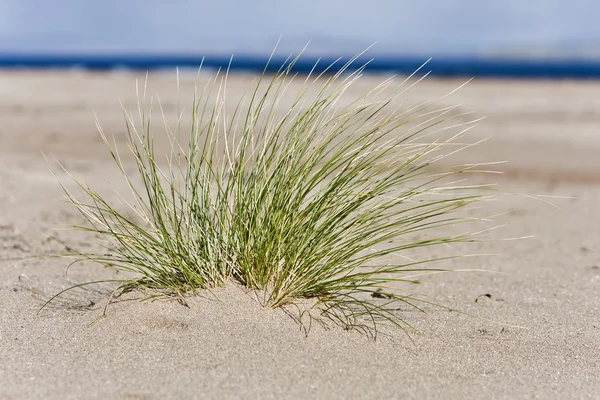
<point x="465" y="37"/>
<point x="546" y="128"/>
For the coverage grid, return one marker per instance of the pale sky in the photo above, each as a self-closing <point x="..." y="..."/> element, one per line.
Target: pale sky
<point x="339" y="27"/>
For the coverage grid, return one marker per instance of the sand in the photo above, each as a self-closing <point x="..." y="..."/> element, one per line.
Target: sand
<point x="544" y="290"/>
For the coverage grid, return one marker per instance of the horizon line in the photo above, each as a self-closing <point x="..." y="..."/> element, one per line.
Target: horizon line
<point x="488" y="66"/>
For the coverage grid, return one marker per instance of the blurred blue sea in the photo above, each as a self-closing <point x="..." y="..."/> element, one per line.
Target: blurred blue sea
<point x="443" y="67"/>
<point x="509" y="38"/>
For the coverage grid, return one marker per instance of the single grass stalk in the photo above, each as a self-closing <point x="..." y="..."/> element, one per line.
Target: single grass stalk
<point x="319" y="201"/>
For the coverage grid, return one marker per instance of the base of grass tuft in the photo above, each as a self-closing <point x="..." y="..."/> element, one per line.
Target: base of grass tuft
<point x="324" y="201"/>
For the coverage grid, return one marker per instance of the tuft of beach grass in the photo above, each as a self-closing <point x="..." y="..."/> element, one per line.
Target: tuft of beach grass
<point x="321" y="201"/>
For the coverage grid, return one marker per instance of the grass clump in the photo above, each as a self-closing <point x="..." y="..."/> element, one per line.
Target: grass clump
<point x="320" y="201"/>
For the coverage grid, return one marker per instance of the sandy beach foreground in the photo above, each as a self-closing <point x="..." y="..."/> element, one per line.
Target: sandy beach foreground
<point x="543" y="290"/>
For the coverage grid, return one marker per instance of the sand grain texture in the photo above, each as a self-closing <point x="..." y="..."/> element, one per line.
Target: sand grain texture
<point x="233" y="348"/>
